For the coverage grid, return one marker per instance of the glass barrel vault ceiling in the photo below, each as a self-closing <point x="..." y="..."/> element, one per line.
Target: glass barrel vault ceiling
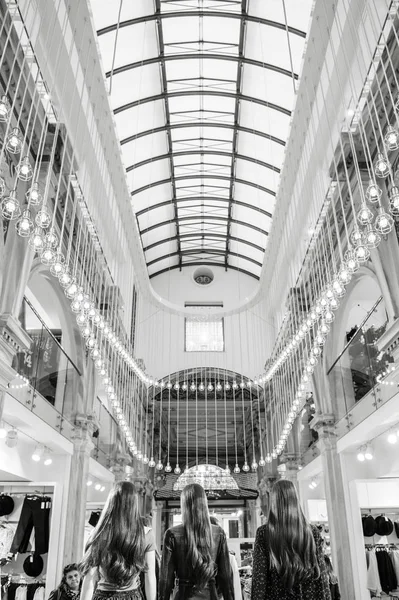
<point x="202" y="92"/>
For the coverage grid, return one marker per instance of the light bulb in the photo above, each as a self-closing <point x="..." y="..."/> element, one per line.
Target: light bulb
<point x="184" y="386"/>
<point x="273" y="455"/>
<point x="344" y="275"/>
<point x="47" y="460"/>
<point x="351" y="262"/>
<point x="373" y="192"/>
<point x="89" y="483"/>
<point x="210" y="387"/>
<point x="392" y="438"/>
<point x="48" y="255"/>
<point x="24" y="169"/>
<point x="254" y="465"/>
<point x="102" y="488"/>
<point x="372" y="237"/>
<point x="12" y="438"/>
<point x="57" y="268"/>
<point x="362" y="253"/>
<point x="381" y="166"/>
<point x="384" y="222"/>
<point x="227" y="386"/>
<point x="365" y="215"/>
<point x="14" y="141"/>
<point x="219" y="387"/>
<point x="159" y="465"/>
<point x="360" y="456"/>
<point x="245" y="467"/>
<point x="43" y="218"/>
<point x="236" y="469"/>
<point x="97" y="487"/>
<point x="36" y="241"/>
<point x="71" y="290"/>
<point x="10" y="208"/>
<point x="145" y="459"/>
<point x="391" y="139"/>
<point x="262" y="462"/>
<point x="368" y="453"/>
<point x="24" y="224"/>
<point x="177" y="470"/>
<point x="65" y="278"/>
<point x="38" y="453"/>
<point x="4" y="109"/>
<point x="33" y="195"/>
<point x="168" y="468"/>
<point x="2" y="186"/>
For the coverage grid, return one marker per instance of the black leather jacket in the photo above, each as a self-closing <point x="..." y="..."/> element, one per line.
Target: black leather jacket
<point x="174" y="566"/>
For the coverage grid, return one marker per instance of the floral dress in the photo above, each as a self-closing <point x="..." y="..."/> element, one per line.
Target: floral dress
<point x="267" y="584"/>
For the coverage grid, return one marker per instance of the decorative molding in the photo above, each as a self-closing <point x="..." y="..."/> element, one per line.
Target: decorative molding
<point x="13" y="339"/>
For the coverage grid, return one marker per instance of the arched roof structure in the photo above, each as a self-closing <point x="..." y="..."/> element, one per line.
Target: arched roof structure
<point x="202" y="93"/>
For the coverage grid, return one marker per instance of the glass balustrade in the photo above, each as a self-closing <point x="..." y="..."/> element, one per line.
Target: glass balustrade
<point x="363" y="368"/>
<point x="45" y="368"/>
<point x="109" y="442"/>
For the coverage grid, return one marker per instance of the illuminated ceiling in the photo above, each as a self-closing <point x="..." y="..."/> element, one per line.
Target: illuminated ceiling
<point x="202" y="92"/>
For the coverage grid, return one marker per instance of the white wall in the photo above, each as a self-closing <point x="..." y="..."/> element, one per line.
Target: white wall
<point x="160" y="334"/>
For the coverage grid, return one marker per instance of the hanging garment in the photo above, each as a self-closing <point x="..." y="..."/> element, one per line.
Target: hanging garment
<point x="35" y="514"/>
<point x="39" y="593"/>
<point x="394" y="554"/>
<point x="373" y="577"/>
<point x="20" y="592"/>
<point x="7" y="533"/>
<point x="385" y="569"/>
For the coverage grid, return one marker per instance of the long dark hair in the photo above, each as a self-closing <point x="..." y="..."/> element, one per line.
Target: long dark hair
<point x="198" y="532"/>
<point x="290" y="537"/>
<point x="117" y="542"/>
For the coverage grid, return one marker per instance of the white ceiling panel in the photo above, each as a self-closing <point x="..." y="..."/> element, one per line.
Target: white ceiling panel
<point x="134" y="85"/>
<point x="149" y="173"/>
<point x="125" y="54"/>
<point x="106" y="13"/>
<point x="141" y="118"/>
<point x="220" y="152"/>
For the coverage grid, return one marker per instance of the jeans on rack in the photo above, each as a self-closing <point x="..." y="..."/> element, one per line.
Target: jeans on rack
<point x="35" y="513"/>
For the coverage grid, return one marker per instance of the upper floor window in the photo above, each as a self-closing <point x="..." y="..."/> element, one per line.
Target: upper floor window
<point x="204" y="336"/>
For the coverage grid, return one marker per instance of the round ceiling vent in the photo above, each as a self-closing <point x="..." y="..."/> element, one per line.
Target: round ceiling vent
<point x="203" y="276"/>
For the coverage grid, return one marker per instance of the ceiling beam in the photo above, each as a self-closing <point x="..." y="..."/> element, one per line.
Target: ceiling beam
<point x="144" y="211"/>
<point x="201" y="124"/>
<point x="198" y="235"/>
<point x="181" y="14"/>
<point x="236" y="122"/>
<point x="200" y="56"/>
<point x="204" y="263"/>
<point x="201" y="92"/>
<point x="201" y="176"/>
<point x="153" y="159"/>
<point x="204" y="251"/>
<point x="164" y="83"/>
<point x="200" y="218"/>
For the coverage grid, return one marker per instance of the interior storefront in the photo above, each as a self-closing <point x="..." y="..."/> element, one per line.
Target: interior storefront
<point x="199" y="207"/>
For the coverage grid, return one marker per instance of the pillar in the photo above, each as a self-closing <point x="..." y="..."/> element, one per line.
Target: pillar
<point x="83" y="444"/>
<point x="254" y="517"/>
<point x="157" y="522"/>
<point x="335" y="499"/>
<point x="289" y="464"/>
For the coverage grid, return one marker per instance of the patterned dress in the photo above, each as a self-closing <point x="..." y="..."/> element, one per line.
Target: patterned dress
<point x="267" y="584"/>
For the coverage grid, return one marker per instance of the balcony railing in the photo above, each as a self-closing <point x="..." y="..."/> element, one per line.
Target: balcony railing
<point x="361" y="366"/>
<point x="46" y="365"/>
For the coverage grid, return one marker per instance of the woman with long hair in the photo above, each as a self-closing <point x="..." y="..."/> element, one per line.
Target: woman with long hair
<point x="195" y="556"/>
<point x="118" y="550"/>
<point x="288" y="561"/>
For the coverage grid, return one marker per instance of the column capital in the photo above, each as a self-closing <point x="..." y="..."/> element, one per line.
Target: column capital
<point x="82" y="433"/>
<point x="324" y="424"/>
<point x="13" y="338"/>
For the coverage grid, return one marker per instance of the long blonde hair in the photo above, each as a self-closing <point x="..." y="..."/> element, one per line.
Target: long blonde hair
<point x="198" y="533"/>
<point x="290" y="537"/>
<point x="117" y="542"/>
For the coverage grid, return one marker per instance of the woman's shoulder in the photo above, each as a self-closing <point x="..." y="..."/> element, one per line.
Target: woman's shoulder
<point x="176" y="531"/>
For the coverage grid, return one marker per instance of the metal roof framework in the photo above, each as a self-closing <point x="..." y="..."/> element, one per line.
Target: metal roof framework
<point x="202" y="93"/>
